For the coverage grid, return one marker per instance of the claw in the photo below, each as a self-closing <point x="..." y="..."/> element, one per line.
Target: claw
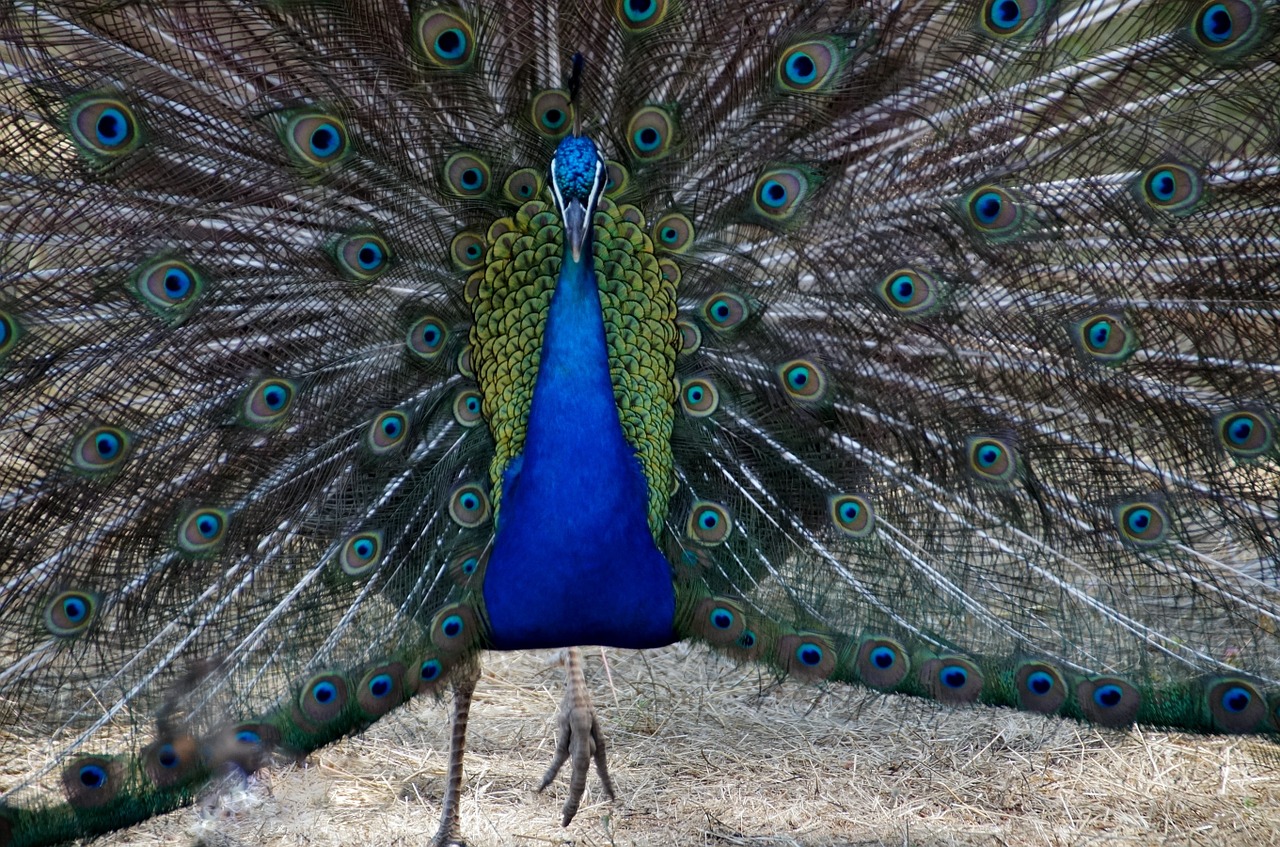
<point x="579" y="740"/>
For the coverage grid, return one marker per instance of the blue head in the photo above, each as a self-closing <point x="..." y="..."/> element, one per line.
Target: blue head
<point x="577" y="181"/>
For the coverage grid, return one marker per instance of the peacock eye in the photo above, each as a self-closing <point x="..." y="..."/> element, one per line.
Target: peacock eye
<point x="636" y="16"/>
<point x="467" y="175"/>
<point x="650" y="134"/>
<point x="105" y="129"/>
<point x="445" y="39"/>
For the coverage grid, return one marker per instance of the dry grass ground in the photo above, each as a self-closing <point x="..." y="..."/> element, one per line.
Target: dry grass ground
<point x="704" y="753"/>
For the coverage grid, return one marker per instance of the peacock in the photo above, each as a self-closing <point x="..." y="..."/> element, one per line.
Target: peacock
<point x="930" y="347"/>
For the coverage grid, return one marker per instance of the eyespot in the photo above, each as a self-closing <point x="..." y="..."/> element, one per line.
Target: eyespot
<point x="91" y="782"/>
<point x="636" y="16"/>
<point x="690" y="337"/>
<point x="466" y="175"/>
<point x="698" y="397"/>
<point x="171" y="762"/>
<point x="522" y="186"/>
<point x="673" y="232"/>
<point x="809" y="66"/>
<point x="316" y="140"/>
<point x="806" y="656"/>
<point x="323" y="698"/>
<point x="104" y="128"/>
<point x="267" y="403"/>
<point x="882" y="663"/>
<point x="464" y="362"/>
<point x="669" y="271"/>
<point x="1040" y="688"/>
<point x="992" y="459"/>
<point x="465" y="565"/>
<point x="552" y="115"/>
<point x="101" y="450"/>
<point x="1171" y="188"/>
<point x="381" y="689"/>
<point x="430" y="671"/>
<point x="1142" y="523"/>
<point x="852" y="515"/>
<point x="719" y="621"/>
<point x="779" y="193"/>
<point x="1226" y="28"/>
<point x="70" y="613"/>
<point x="360" y="555"/>
<point x="1007" y="18"/>
<point x="802" y="380"/>
<point x="453" y="629"/>
<point x="468" y="407"/>
<point x="725" y="311"/>
<point x="445" y="39"/>
<point x="1245" y="434"/>
<point x="1237" y="706"/>
<point x="993" y="211"/>
<point x="202" y="531"/>
<point x="387" y="432"/>
<point x="911" y="293"/>
<point x="709" y="523"/>
<point x="617" y="178"/>
<point x="9" y="333"/>
<point x="650" y="133"/>
<point x="169" y="288"/>
<point x="469" y="505"/>
<point x="468" y="248"/>
<point x="362" y="256"/>
<point x="426" y="337"/>
<point x="246" y="745"/>
<point x="1108" y="701"/>
<point x="951" y="679"/>
<point x="1104" y="338"/>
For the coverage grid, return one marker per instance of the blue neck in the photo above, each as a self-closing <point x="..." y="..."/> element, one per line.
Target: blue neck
<point x="573" y="560"/>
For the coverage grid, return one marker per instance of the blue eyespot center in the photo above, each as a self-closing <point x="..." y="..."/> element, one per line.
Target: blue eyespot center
<point x="324" y="692"/>
<point x="75" y="609"/>
<point x="1108" y="696"/>
<point x="325" y="140"/>
<point x="107" y="445"/>
<point x="1163" y="185"/>
<point x="1236" y="699"/>
<point x="381" y="685"/>
<point x="369" y="256"/>
<point x="208" y="525"/>
<point x="111" y="127"/>
<point x="903" y="289"/>
<point x="883" y="658"/>
<point x="451" y="43"/>
<point x="452" y="626"/>
<point x="773" y="193"/>
<point x="248" y="736"/>
<point x="430" y="670"/>
<point x="809" y="655"/>
<point x="1239" y="429"/>
<point x="639" y="10"/>
<point x="801" y="69"/>
<point x="708" y="519"/>
<point x="721" y="618"/>
<point x="167" y="756"/>
<point x="647" y="139"/>
<point x="988" y="207"/>
<point x="1040" y="683"/>
<point x="1006" y="14"/>
<point x="953" y="676"/>
<point x="177" y="283"/>
<point x="988" y="455"/>
<point x="1217" y="23"/>
<point x="92" y="776"/>
<point x="1139" y="520"/>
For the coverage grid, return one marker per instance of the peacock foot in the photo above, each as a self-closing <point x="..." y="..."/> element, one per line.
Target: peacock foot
<point x="580" y="738"/>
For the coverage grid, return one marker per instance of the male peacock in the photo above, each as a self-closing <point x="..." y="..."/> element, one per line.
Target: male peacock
<point x="932" y="346"/>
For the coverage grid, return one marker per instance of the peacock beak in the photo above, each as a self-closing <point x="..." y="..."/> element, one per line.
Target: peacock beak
<point x="576" y="226"/>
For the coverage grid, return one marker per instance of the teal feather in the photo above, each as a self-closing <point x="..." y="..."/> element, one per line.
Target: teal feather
<point x="969" y="389"/>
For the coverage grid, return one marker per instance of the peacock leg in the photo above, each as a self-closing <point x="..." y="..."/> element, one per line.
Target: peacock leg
<point x="464" y="685"/>
<point x="580" y="737"/>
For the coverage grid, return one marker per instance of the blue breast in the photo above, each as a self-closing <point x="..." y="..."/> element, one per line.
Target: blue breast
<point x="573" y="560"/>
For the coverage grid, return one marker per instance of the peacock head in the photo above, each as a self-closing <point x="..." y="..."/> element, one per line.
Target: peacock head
<point x="577" y="181"/>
